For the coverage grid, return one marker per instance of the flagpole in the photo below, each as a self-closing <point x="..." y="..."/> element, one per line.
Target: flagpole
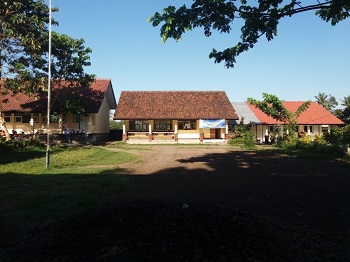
<point x="48" y="93"/>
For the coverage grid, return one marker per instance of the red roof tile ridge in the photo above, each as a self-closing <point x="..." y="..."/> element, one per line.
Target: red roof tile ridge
<point x="178" y="91"/>
<point x="104" y="79"/>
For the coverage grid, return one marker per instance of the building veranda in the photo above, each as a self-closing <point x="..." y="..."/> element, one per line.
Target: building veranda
<point x="313" y="122"/>
<point x="174" y="115"/>
<point x="27" y="114"/>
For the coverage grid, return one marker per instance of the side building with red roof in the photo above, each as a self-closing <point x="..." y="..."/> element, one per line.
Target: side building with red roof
<point x="28" y="114"/>
<point x="174" y="115"/>
<point x="314" y="121"/>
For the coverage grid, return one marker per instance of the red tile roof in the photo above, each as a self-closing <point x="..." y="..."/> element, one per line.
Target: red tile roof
<point x="144" y="105"/>
<point x="93" y="97"/>
<point x="314" y="115"/>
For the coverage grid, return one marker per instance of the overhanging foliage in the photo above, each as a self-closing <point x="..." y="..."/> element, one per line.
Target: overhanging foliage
<point x="260" y="18"/>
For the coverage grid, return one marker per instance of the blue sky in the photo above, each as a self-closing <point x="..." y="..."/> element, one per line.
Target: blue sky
<point x="307" y="57"/>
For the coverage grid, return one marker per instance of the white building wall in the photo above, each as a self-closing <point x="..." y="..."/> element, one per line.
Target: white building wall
<point x="101" y="119"/>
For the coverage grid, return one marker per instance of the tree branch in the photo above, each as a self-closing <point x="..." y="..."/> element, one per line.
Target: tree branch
<point x="294" y="11"/>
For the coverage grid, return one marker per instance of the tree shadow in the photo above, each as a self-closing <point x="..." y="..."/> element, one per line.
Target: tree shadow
<point x="234" y="205"/>
<point x="303" y="191"/>
<point x="66" y="98"/>
<point x="236" y="199"/>
<point x="7" y="157"/>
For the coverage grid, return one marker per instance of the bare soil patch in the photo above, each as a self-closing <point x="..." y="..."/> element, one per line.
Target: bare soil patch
<point x="210" y="203"/>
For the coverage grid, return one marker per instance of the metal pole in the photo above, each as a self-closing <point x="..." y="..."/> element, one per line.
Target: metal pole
<point x="48" y="93"/>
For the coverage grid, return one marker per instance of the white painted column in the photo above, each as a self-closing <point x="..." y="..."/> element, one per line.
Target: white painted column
<point x="175" y="128"/>
<point x="60" y="123"/>
<point x="226" y="129"/>
<point x="124" y="129"/>
<point x="150" y="129"/>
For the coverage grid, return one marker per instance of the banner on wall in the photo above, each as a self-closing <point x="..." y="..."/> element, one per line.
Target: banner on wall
<point x="212" y="123"/>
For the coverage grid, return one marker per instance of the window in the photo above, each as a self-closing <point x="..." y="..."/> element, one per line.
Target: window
<point x="7" y="118"/>
<point x="36" y="118"/>
<point x="325" y="129"/>
<point x="54" y="118"/>
<point x="187" y="124"/>
<point x="306" y="128"/>
<point x="138" y="126"/>
<point x="76" y="118"/>
<point x="163" y="125"/>
<point x="274" y="129"/>
<point x="64" y="118"/>
<point x="18" y="119"/>
<point x="26" y="118"/>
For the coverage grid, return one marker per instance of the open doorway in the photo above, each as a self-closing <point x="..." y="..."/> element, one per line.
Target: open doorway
<point x="215" y="133"/>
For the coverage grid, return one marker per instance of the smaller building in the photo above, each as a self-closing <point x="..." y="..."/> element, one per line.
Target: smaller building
<point x="28" y="114"/>
<point x="312" y="122"/>
<point x="174" y="115"/>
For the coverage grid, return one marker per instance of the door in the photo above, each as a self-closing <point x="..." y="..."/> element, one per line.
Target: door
<point x="212" y="133"/>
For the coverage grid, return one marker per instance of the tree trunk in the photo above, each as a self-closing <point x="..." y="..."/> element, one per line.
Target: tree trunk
<point x="3" y="124"/>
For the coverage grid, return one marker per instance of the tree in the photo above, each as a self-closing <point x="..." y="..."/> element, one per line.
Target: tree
<point x="24" y="47"/>
<point x="346" y="101"/>
<point x="339" y="137"/>
<point x="115" y="125"/>
<point x="321" y="99"/>
<point x="260" y="19"/>
<point x="21" y="31"/>
<point x="273" y="106"/>
<point x="70" y="56"/>
<point x="327" y="102"/>
<point x="344" y="114"/>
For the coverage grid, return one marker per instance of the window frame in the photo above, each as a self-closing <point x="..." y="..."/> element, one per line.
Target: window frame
<point x="35" y="118"/>
<point x="8" y="118"/>
<point x="189" y="124"/>
<point x="17" y="117"/>
<point x="54" y="118"/>
<point x="139" y="125"/>
<point x="307" y="127"/>
<point x="76" y="118"/>
<point x="163" y="125"/>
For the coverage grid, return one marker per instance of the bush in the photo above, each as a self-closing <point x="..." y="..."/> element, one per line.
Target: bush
<point x="18" y="145"/>
<point x="115" y="125"/>
<point x="338" y="136"/>
<point x="235" y="140"/>
<point x="249" y="139"/>
<point x="246" y="139"/>
<point x="304" y="145"/>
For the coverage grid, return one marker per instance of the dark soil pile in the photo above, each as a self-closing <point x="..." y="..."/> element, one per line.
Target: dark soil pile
<point x="155" y="230"/>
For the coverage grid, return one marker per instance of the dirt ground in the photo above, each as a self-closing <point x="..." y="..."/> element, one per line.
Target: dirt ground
<point x="209" y="203"/>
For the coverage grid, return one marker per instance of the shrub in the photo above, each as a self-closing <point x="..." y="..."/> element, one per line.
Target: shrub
<point x="338" y="136"/>
<point x="249" y="139"/>
<point x="19" y="145"/>
<point x="304" y="145"/>
<point x="246" y="139"/>
<point x="115" y="125"/>
<point x="235" y="140"/>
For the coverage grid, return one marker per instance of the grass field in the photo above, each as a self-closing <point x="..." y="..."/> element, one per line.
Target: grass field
<point x="77" y="178"/>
